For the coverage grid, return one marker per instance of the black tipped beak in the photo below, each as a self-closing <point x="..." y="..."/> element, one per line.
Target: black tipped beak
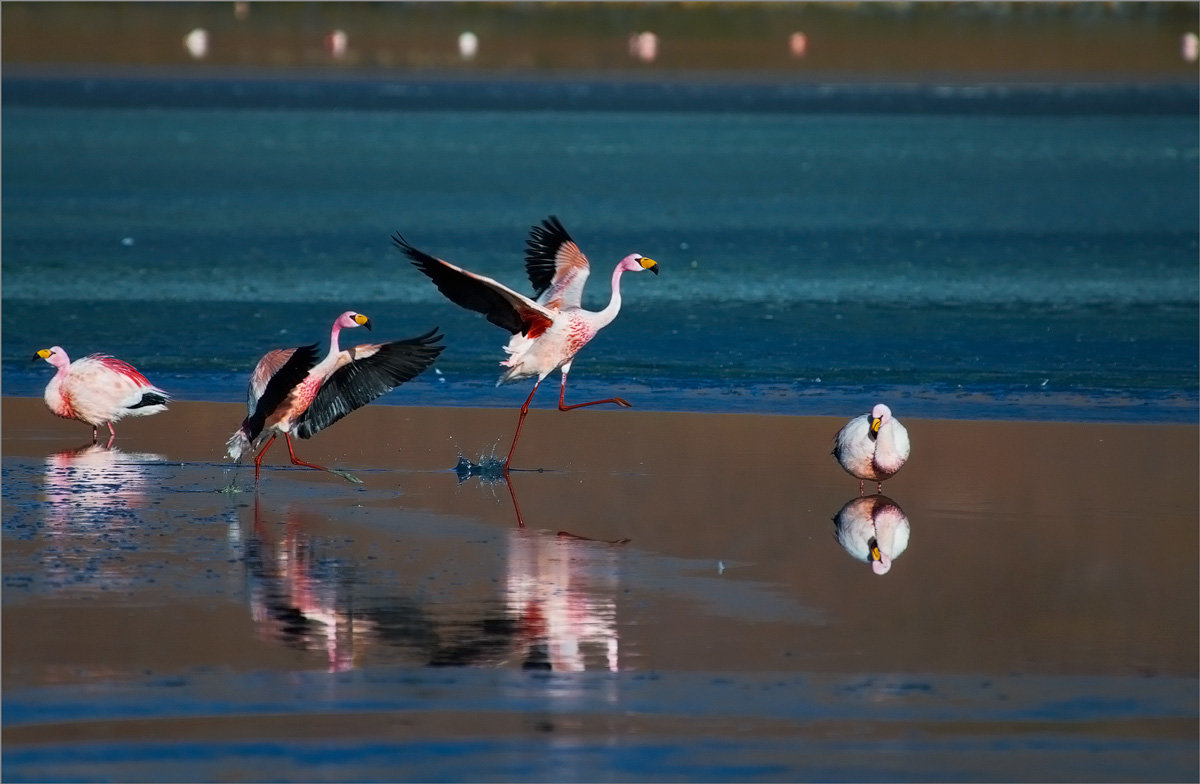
<point x="367" y="323"/>
<point x="654" y="269"/>
<point x="34" y="358"/>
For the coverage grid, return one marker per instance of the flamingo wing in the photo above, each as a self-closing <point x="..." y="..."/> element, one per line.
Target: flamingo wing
<point x="274" y="378"/>
<point x="364" y="373"/>
<point x="556" y="266"/>
<point x="503" y="307"/>
<point x="264" y="371"/>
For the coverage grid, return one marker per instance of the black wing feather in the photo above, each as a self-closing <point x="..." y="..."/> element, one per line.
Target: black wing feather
<point x="541" y="253"/>
<point x="463" y="290"/>
<point x="359" y="382"/>
<point x="279" y="387"/>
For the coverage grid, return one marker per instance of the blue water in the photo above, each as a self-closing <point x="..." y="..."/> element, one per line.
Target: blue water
<point x="970" y="252"/>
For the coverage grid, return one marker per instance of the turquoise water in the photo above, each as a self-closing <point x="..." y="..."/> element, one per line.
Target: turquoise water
<point x="973" y="253"/>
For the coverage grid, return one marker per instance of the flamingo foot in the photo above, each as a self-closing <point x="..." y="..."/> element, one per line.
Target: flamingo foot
<point x="578" y="538"/>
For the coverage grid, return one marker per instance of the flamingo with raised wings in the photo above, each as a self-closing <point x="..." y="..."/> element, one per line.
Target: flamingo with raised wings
<point x="98" y="390"/>
<point x="291" y="392"/>
<point x="548" y="331"/>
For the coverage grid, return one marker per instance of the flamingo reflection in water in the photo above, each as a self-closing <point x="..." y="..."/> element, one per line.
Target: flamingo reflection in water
<point x="557" y="610"/>
<point x="873" y="529"/>
<point x="92" y="496"/>
<point x="296" y="596"/>
<point x="561" y="586"/>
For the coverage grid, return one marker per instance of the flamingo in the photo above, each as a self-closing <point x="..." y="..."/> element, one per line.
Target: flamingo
<point x="291" y="392"/>
<point x="99" y="390"/>
<point x="872" y="446"/>
<point x="547" y="332"/>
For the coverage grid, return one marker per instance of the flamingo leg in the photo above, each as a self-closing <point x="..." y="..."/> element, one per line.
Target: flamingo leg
<point x="111" y="432"/>
<point x="521" y="421"/>
<point x="95" y="434"/>
<point x="562" y="393"/>
<point x="258" y="458"/>
<point x="298" y="461"/>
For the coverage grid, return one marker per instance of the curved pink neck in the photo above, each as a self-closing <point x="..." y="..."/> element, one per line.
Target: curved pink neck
<point x="614" y="304"/>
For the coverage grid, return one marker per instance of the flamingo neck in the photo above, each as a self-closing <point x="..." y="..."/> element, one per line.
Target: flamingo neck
<point x="614" y="305"/>
<point x="334" y="350"/>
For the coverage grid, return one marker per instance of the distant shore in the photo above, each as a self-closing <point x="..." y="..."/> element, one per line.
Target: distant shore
<point x="1012" y="42"/>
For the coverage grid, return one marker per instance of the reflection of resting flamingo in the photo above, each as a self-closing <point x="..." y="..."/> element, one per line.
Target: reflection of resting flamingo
<point x="872" y="446"/>
<point x="873" y="529"/>
<point x="290" y="391"/>
<point x="547" y="332"/>
<point x="99" y="390"/>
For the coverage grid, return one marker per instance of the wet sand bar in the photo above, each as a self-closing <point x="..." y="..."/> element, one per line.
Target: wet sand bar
<point x="1048" y="591"/>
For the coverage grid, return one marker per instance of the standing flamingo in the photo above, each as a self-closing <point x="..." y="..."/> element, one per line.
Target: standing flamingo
<point x="99" y="390"/>
<point x="291" y="392"/>
<point x="547" y="332"/>
<point x="872" y="446"/>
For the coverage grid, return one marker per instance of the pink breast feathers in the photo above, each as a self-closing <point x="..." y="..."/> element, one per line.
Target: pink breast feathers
<point x="578" y="335"/>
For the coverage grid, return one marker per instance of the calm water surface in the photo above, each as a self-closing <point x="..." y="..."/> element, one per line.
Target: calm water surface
<point x="988" y="254"/>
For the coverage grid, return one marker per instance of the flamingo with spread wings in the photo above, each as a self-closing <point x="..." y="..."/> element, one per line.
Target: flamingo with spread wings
<point x="548" y="330"/>
<point x="291" y="392"/>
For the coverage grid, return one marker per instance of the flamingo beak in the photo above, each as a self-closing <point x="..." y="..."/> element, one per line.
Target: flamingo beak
<point x="362" y="321"/>
<point x="875" y="423"/>
<point x="649" y="264"/>
<point x="42" y="354"/>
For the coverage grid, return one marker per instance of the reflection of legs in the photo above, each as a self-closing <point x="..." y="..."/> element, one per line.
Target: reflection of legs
<point x="521" y="421"/>
<point x="516" y="507"/>
<point x="562" y="393"/>
<point x="298" y="461"/>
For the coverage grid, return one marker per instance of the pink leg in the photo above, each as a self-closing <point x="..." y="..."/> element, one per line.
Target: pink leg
<point x="521" y="421"/>
<point x="298" y="461"/>
<point x="258" y="458"/>
<point x="111" y="432"/>
<point x="562" y="393"/>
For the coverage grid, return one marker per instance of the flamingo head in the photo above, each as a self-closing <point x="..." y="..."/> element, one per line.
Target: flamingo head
<point x="636" y="262"/>
<point x="54" y="355"/>
<point x="880" y="414"/>
<point x="350" y="319"/>
<point x="881" y="563"/>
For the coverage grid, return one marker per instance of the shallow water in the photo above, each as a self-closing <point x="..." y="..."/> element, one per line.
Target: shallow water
<point x="1007" y="253"/>
<point x="164" y="621"/>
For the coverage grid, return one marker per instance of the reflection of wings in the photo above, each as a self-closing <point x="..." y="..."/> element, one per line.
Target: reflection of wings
<point x="556" y="266"/>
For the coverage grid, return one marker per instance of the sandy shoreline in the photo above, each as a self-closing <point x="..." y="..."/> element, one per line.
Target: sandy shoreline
<point x="743" y="487"/>
<point x="1054" y="562"/>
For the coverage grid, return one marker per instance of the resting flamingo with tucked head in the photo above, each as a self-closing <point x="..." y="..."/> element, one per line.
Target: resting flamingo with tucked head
<point x="547" y="332"/>
<point x="872" y="446"/>
<point x="291" y="392"/>
<point x="99" y="390"/>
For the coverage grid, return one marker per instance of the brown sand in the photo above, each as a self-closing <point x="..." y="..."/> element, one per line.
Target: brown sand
<point x="1036" y="547"/>
<point x="165" y="621"/>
